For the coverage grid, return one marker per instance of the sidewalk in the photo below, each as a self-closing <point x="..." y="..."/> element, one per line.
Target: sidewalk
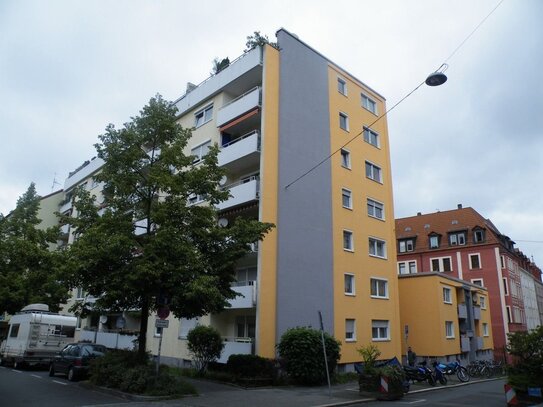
<point x="213" y="394"/>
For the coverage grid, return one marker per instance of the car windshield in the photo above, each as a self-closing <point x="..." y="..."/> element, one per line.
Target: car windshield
<point x="92" y="350"/>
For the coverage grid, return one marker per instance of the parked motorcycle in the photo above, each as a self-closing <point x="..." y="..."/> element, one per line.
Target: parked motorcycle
<point x="420" y="373"/>
<point x="439" y="374"/>
<point x="455" y="368"/>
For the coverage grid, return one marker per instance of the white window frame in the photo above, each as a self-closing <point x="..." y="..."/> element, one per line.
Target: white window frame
<point x="409" y="263"/>
<point x="375" y="140"/>
<point x="485" y="329"/>
<point x="441" y="264"/>
<point x="345" y="158"/>
<point x="505" y="286"/>
<point x="375" y="205"/>
<point x="405" y="244"/>
<point x="195" y="199"/>
<point x="373" y="172"/>
<point x="481" y="234"/>
<point x="347" y="194"/>
<point x="345" y="116"/>
<point x="349" y="276"/>
<point x="206" y="114"/>
<point x="380" y="324"/>
<point x="379" y="284"/>
<point x="434" y="238"/>
<point x="509" y="314"/>
<point x="449" y="330"/>
<point x="348" y="233"/>
<point x="475" y="280"/>
<point x="402" y="265"/>
<point x="482" y="301"/>
<point x="198" y="153"/>
<point x="478" y="255"/>
<point x="373" y="243"/>
<point x="352" y="336"/>
<point x="185" y="326"/>
<point x="158" y="332"/>
<point x="342" y="86"/>
<point x="457" y="239"/>
<point x="447" y="295"/>
<point x="368" y="103"/>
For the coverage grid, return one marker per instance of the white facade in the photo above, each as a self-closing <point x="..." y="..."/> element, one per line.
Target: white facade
<point x="531" y="309"/>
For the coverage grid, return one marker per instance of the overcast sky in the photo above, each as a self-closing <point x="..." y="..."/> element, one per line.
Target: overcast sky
<point x="68" y="68"/>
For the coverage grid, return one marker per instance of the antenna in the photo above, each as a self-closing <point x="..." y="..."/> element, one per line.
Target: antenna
<point x="55" y="182"/>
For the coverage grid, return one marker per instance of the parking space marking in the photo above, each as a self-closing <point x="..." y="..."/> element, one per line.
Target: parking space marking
<point x="413" y="402"/>
<point x="35" y="375"/>
<point x="56" y="381"/>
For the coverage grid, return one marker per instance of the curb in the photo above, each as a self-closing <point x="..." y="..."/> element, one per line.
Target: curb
<point x="128" y="396"/>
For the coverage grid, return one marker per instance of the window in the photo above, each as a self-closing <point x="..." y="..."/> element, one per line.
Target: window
<point x="449" y="329"/>
<point x="407" y="267"/>
<point x="342" y="86"/>
<point x="348" y="240"/>
<point x="478" y="236"/>
<point x="203" y="116"/>
<point x="412" y="267"/>
<point x="502" y="261"/>
<point x="349" y="284"/>
<point x="441" y="264"/>
<point x="185" y="325"/>
<point x="373" y="172"/>
<point x="505" y="286"/>
<point x="379" y="288"/>
<point x="447" y="295"/>
<point x="375" y="209"/>
<point x="379" y="330"/>
<point x="158" y="331"/>
<point x="350" y="332"/>
<point x="406" y="245"/>
<point x="477" y="281"/>
<point x="485" y="329"/>
<point x="200" y="151"/>
<point x="14" y="331"/>
<point x="369" y="104"/>
<point x="509" y="317"/>
<point x="345" y="158"/>
<point x="474" y="261"/>
<point x="401" y="268"/>
<point x="344" y="121"/>
<point x="194" y="199"/>
<point x="482" y="301"/>
<point x="458" y="238"/>
<point x="80" y="294"/>
<point x="377" y="248"/>
<point x="346" y="199"/>
<point x="434" y="242"/>
<point x="371" y="137"/>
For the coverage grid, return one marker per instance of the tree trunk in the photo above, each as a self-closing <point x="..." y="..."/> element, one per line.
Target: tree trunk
<point x="142" y="339"/>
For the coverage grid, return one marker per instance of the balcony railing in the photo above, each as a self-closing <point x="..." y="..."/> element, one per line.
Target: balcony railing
<point x="476" y="312"/>
<point x="246" y="147"/>
<point x="462" y="311"/>
<point x="247" y="299"/>
<point x="479" y="342"/>
<point x="236" y="346"/>
<point x="464" y="344"/>
<point x="66" y="206"/>
<point x="241" y="192"/>
<point x="112" y="340"/>
<point x="239" y="106"/>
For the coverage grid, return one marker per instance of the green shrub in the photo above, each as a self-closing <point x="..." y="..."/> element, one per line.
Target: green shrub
<point x="205" y="344"/>
<point x="527" y="370"/>
<point x="301" y="349"/>
<point x="250" y="366"/>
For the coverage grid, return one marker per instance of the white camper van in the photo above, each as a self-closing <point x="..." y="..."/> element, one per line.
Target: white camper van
<point x="35" y="335"/>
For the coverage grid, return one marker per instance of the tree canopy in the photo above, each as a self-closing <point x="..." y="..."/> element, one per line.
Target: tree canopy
<point x="149" y="247"/>
<point x="28" y="268"/>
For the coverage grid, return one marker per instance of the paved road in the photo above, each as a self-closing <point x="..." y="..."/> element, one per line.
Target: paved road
<point x="29" y="388"/>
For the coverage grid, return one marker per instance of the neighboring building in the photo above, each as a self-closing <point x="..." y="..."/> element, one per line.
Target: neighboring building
<point x="275" y="114"/>
<point x="461" y="243"/>
<point x="444" y="318"/>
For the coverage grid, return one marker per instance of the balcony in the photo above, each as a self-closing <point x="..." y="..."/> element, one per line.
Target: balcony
<point x="247" y="299"/>
<point x="464" y="344"/>
<point x="241" y="193"/>
<point x="239" y="106"/>
<point x="236" y="346"/>
<point x="462" y="311"/>
<point x="479" y="343"/>
<point x="111" y="340"/>
<point x="66" y="206"/>
<point x="140" y="227"/>
<point x="83" y="172"/>
<point x="248" y="65"/>
<point x="476" y="312"/>
<point x="241" y="153"/>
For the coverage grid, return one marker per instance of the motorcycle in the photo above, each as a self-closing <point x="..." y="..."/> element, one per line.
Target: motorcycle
<point x="439" y="374"/>
<point x="419" y="373"/>
<point x="455" y="368"/>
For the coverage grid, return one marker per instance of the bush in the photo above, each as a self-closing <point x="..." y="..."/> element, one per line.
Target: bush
<point x="205" y="344"/>
<point x="301" y="349"/>
<point x="527" y="347"/>
<point x="251" y="366"/>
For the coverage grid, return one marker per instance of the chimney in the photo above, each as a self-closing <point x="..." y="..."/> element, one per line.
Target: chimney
<point x="459" y="206"/>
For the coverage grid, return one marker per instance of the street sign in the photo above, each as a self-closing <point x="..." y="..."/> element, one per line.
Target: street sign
<point x="162" y="323"/>
<point x="163" y="312"/>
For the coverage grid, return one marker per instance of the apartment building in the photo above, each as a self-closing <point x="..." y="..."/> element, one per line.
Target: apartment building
<point x="275" y="113"/>
<point x="463" y="244"/>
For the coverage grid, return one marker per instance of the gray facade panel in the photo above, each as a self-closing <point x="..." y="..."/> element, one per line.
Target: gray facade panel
<point x="305" y="256"/>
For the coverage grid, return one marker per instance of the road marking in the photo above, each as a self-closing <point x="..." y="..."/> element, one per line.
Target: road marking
<point x="18" y="371"/>
<point x="35" y="375"/>
<point x="413" y="402"/>
<point x="56" y="381"/>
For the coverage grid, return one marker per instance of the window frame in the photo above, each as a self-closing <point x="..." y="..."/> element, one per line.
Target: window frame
<point x="375" y="324"/>
<point x="345" y="158"/>
<point x="200" y="156"/>
<point x="378" y="288"/>
<point x="509" y="314"/>
<point x="349" y="233"/>
<point x="373" y="242"/>
<point x="367" y="133"/>
<point x="437" y="239"/>
<point x="449" y="333"/>
<point x="353" y="332"/>
<point x="475" y="280"/>
<point x="447" y="295"/>
<point x="345" y="117"/>
<point x="405" y="243"/>
<point x="505" y="284"/>
<point x="347" y="194"/>
<point x="374" y="168"/>
<point x="457" y="239"/>
<point x="368" y="103"/>
<point x="476" y="232"/>
<point x="351" y="277"/>
<point x="342" y="86"/>
<point x="375" y="204"/>
<point x="478" y="256"/>
<point x="441" y="264"/>
<point x="485" y="329"/>
<point x="482" y="301"/>
<point x="204" y="114"/>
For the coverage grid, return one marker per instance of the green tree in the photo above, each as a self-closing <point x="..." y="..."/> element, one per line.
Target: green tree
<point x="151" y="248"/>
<point x="219" y="65"/>
<point x="205" y="344"/>
<point x="301" y="349"/>
<point x="28" y="268"/>
<point x="527" y="369"/>
<point x="258" y="40"/>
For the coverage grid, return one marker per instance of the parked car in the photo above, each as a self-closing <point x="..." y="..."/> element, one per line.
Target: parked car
<point x="74" y="359"/>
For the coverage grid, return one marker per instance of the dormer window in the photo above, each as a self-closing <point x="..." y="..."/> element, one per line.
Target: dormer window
<point x="457" y="239"/>
<point x="406" y="245"/>
<point x="478" y="236"/>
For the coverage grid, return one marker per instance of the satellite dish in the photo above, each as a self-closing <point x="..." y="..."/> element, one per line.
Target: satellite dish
<point x="223" y="222"/>
<point x="223" y="180"/>
<point x="103" y="319"/>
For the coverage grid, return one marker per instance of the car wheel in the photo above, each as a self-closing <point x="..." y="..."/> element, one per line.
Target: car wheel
<point x="71" y="375"/>
<point x="51" y="370"/>
<point x="18" y="365"/>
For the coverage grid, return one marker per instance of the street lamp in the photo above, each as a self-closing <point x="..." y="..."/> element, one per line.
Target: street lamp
<point x="438" y="77"/>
